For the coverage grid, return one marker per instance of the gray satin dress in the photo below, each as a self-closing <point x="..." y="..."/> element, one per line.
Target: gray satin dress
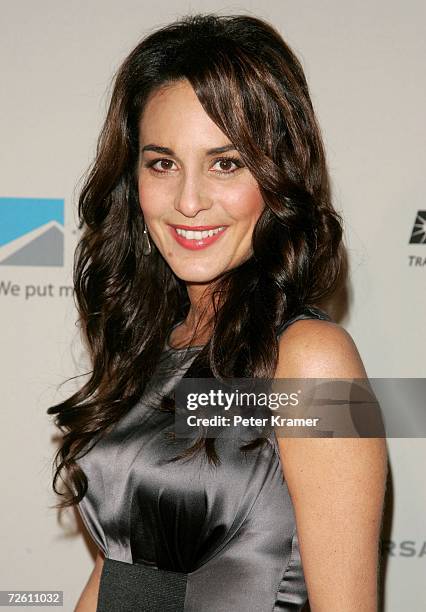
<point x="188" y="536"/>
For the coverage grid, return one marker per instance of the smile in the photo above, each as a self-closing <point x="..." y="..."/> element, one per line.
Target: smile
<point x="197" y="238"/>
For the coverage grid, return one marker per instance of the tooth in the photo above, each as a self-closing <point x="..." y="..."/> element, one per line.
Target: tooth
<point x="198" y="235"/>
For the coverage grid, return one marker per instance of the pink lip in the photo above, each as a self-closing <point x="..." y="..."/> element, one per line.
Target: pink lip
<point x="196" y="245"/>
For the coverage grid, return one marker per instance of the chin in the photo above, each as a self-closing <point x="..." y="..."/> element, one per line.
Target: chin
<point x="198" y="276"/>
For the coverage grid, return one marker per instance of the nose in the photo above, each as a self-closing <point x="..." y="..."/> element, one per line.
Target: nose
<point x="192" y="196"/>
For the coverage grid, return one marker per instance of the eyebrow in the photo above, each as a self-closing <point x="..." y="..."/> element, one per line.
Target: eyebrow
<point x="167" y="151"/>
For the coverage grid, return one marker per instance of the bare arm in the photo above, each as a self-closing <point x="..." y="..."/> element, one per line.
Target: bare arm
<point x="337" y="485"/>
<point x="89" y="597"/>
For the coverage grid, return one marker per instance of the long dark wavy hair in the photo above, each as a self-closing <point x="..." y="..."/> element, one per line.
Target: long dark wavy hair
<point x="253" y="87"/>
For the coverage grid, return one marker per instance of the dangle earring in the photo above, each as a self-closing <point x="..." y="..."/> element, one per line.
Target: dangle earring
<point x="146" y="244"/>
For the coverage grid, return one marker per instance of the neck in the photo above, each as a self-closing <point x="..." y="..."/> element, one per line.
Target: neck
<point x="200" y="309"/>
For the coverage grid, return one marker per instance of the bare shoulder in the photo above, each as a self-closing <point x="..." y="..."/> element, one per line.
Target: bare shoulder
<point x="314" y="348"/>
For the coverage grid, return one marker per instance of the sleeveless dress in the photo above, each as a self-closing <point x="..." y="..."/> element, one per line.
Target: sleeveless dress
<point x="189" y="536"/>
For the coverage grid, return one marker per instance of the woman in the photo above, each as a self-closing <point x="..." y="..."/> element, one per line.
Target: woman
<point x="209" y="242"/>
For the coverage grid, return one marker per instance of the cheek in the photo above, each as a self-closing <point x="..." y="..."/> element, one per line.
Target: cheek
<point x="245" y="204"/>
<point x="149" y="200"/>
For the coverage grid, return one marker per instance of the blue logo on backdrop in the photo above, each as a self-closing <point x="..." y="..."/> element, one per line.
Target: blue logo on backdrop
<point x="31" y="232"/>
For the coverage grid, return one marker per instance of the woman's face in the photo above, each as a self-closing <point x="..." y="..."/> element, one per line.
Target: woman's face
<point x="199" y="201"/>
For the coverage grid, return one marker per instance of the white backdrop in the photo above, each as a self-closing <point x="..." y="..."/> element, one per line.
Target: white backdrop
<point x="364" y="62"/>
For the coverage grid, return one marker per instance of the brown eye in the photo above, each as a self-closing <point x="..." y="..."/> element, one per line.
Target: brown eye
<point x="166" y="164"/>
<point x="160" y="165"/>
<point x="226" y="165"/>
